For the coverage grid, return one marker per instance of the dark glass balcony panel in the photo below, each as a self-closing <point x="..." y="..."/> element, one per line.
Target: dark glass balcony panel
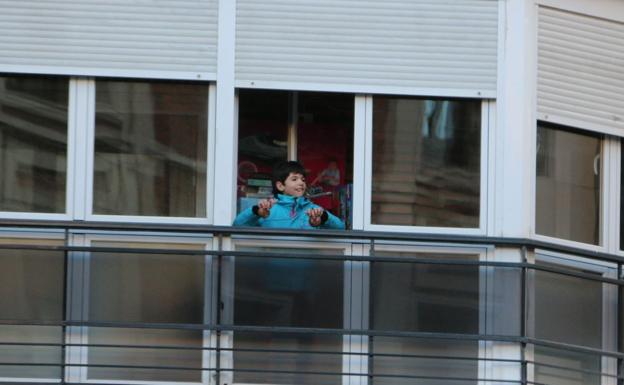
<point x="31" y="290"/>
<point x="424" y="297"/>
<point x="288" y="293"/>
<point x="145" y="288"/>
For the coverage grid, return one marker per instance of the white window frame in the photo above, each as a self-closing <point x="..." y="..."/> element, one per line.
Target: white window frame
<point x="72" y="107"/>
<point x="609" y="304"/>
<point x="485" y="253"/>
<point x="488" y="122"/>
<point x="230" y="244"/>
<point x="54" y="236"/>
<point x="607" y="169"/>
<point x="84" y="163"/>
<point x="77" y="356"/>
<point x="616" y="244"/>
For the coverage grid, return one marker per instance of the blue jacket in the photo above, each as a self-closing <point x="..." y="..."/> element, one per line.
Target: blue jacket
<point x="287" y="212"/>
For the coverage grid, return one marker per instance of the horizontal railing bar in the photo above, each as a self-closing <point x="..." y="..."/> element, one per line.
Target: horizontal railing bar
<point x="337" y="257"/>
<point x="266" y="371"/>
<point x="567" y="369"/>
<point x="330" y="331"/>
<point x="323" y="373"/>
<point x="259" y="350"/>
<point x="317" y="233"/>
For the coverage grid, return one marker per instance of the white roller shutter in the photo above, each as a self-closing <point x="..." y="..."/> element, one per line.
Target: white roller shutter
<point x="438" y="47"/>
<point x="580" y="71"/>
<point x="144" y="38"/>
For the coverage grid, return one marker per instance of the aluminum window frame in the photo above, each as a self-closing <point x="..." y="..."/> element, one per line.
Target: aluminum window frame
<point x="83" y="201"/>
<point x="488" y="122"/>
<point x="608" y="167"/>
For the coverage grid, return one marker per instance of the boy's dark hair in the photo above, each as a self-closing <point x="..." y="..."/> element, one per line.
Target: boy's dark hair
<point x="281" y="171"/>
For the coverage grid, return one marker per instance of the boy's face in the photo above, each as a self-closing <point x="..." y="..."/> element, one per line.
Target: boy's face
<point x="294" y="185"/>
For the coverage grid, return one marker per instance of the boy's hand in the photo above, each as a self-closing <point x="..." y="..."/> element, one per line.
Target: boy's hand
<point x="264" y="207"/>
<point x="315" y="216"/>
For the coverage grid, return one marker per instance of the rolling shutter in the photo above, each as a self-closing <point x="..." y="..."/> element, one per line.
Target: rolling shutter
<point x="581" y="71"/>
<point x="433" y="47"/>
<point x="144" y="38"/>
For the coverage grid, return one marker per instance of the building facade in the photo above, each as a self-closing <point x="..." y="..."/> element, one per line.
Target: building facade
<point x="472" y="147"/>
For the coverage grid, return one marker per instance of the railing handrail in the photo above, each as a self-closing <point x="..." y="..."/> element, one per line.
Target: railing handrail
<point x="350" y="235"/>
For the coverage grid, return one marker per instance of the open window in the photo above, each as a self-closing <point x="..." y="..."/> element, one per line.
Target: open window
<point x="313" y="128"/>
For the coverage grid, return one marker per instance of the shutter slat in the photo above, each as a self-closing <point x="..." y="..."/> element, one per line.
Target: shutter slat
<point x="177" y="38"/>
<point x="448" y="47"/>
<point x="581" y="71"/>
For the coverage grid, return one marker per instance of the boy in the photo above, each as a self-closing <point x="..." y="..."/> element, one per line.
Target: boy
<point x="289" y="208"/>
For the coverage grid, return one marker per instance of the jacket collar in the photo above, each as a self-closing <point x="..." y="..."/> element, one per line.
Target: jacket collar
<point x="289" y="200"/>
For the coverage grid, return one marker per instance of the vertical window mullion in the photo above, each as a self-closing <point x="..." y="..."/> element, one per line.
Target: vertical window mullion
<point x="360" y="162"/>
<point x="210" y="152"/>
<point x="80" y="146"/>
<point x="614" y="188"/>
<point x="368" y="168"/>
<point x="484" y="167"/>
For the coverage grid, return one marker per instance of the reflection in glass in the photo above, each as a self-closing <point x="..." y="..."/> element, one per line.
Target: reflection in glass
<point x="426" y="162"/>
<point x="568" y="185"/>
<point x="33" y="144"/>
<point x="150" y="149"/>
<point x="428" y="364"/>
<point x="146" y="288"/>
<point x="425" y="298"/>
<point x="567" y="310"/>
<point x="288" y="293"/>
<point x="31" y="289"/>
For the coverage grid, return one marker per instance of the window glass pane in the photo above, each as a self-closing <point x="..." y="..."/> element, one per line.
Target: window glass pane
<point x="146" y="288"/>
<point x="150" y="149"/>
<point x="288" y="293"/>
<point x="568" y="310"/>
<point x="568" y="185"/>
<point x="33" y="144"/>
<point x="425" y="298"/>
<point x="31" y="289"/>
<point x="318" y="125"/>
<point x="426" y="162"/>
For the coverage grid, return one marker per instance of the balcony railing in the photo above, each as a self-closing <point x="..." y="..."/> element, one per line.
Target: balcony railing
<point x="365" y="353"/>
